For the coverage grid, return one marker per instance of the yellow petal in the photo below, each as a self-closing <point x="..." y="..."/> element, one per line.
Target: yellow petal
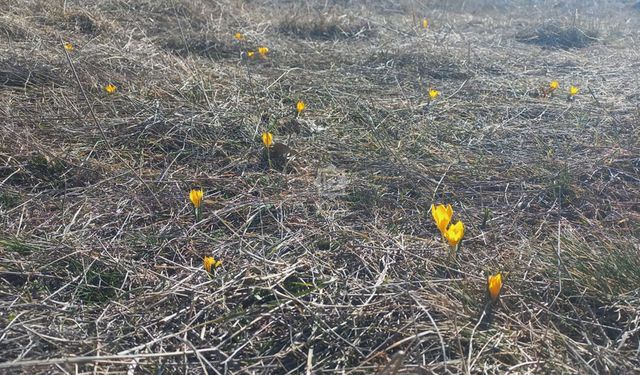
<point x="267" y="139"/>
<point x="442" y="216"/>
<point x="449" y="211"/>
<point x="454" y="233"/>
<point x="494" y="285"/>
<point x="573" y="90"/>
<point x="300" y="106"/>
<point x="195" y="195"/>
<point x="554" y="85"/>
<point x="435" y="213"/>
<point x="208" y="262"/>
<point x="110" y="89"/>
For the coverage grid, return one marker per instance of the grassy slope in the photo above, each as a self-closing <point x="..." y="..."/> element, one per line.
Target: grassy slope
<point x="336" y="264"/>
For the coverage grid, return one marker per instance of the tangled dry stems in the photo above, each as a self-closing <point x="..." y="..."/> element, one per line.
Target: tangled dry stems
<point x="333" y="264"/>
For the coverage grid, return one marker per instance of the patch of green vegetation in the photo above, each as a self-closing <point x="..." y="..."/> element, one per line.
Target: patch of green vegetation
<point x="11" y="316"/>
<point x="323" y="244"/>
<point x="17" y="246"/>
<point x="598" y="268"/>
<point x="299" y="286"/>
<point x="100" y="283"/>
<point x="44" y="169"/>
<point x="8" y="200"/>
<point x="615" y="273"/>
<point x="258" y="296"/>
<point x="364" y="197"/>
<point x="562" y="185"/>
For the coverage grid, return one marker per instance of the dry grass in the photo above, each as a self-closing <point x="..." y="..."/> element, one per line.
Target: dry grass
<point x="555" y="36"/>
<point x="332" y="262"/>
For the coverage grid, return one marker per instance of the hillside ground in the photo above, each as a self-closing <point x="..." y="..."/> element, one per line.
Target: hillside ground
<point x="331" y="261"/>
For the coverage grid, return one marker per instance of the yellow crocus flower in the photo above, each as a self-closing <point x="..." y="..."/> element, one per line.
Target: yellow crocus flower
<point x="494" y="285"/>
<point x="433" y="94"/>
<point x="267" y="139"/>
<point x="68" y="46"/>
<point x="211" y="263"/>
<point x="250" y="54"/>
<point x="263" y="51"/>
<point x="442" y="216"/>
<point x="300" y="106"/>
<point x="425" y="23"/>
<point x="110" y="89"/>
<point x="195" y="195"/>
<point x="553" y="85"/>
<point x="208" y="263"/>
<point x="239" y="36"/>
<point x="454" y="233"/>
<point x="573" y="91"/>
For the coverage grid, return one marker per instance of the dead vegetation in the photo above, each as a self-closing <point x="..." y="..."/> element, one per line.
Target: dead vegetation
<point x="331" y="261"/>
<point x="322" y="27"/>
<point x="555" y="36"/>
<point x="16" y="72"/>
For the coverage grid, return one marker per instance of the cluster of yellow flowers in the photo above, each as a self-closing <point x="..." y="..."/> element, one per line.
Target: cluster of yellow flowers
<point x="109" y="88"/>
<point x="267" y="136"/>
<point x="453" y="233"/>
<point x="442" y="216"/>
<point x="554" y="85"/>
<point x="195" y="196"/>
<point x="262" y="52"/>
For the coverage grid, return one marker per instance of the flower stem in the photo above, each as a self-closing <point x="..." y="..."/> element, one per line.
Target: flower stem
<point x="453" y="252"/>
<point x="269" y="158"/>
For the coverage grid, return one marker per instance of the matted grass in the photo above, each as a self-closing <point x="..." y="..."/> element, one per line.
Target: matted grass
<point x="331" y="261"/>
<point x="555" y="36"/>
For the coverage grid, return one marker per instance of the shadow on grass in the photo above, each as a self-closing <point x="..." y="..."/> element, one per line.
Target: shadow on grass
<point x="555" y="36"/>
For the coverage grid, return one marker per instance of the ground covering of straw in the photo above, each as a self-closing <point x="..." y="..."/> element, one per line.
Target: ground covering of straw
<point x="331" y="261"/>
